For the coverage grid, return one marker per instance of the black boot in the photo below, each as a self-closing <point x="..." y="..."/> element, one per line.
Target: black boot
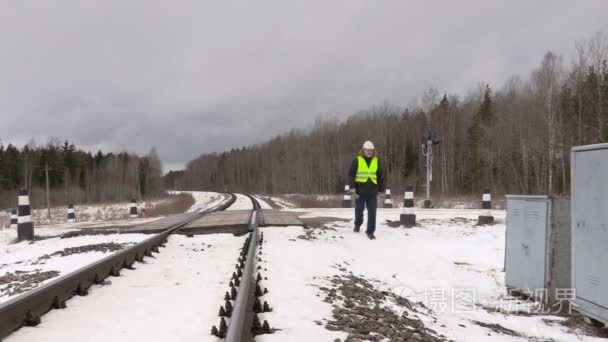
<point x="370" y="236"/>
<point x="356" y="230"/>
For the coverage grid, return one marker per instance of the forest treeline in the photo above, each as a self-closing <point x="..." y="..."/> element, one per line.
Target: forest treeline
<point x="513" y="138"/>
<point x="75" y="175"/>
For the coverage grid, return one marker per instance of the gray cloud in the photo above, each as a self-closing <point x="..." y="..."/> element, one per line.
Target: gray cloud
<point x="197" y="76"/>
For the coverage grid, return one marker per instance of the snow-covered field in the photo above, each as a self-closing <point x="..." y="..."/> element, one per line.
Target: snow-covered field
<point x="9" y="235"/>
<point x="174" y="296"/>
<point x="54" y="255"/>
<point x="26" y="265"/>
<point x="448" y="264"/>
<point x="242" y="202"/>
<point x="84" y="213"/>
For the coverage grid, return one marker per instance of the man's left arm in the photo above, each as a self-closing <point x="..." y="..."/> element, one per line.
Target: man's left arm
<point x="380" y="176"/>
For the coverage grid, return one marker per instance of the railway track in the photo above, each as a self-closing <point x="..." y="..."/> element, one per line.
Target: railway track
<point x="239" y="321"/>
<point x="28" y="308"/>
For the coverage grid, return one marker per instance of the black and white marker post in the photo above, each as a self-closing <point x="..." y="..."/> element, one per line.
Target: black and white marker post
<point x="408" y="217"/>
<point x="388" y="202"/>
<point x="346" y="201"/>
<point x="13" y="218"/>
<point x="25" y="226"/>
<point x="486" y="204"/>
<point x="71" y="214"/>
<point x="133" y="208"/>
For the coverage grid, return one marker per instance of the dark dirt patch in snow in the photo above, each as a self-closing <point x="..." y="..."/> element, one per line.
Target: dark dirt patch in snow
<point x="575" y="322"/>
<point x="469" y="223"/>
<point x="461" y="263"/>
<point x="421" y="223"/>
<point x="105" y="247"/>
<point x="321" y="220"/>
<point x="516" y="312"/>
<point x="497" y="328"/>
<point x="98" y="247"/>
<point x="394" y="224"/>
<point x="558" y="314"/>
<point x="315" y="233"/>
<point x="197" y="249"/>
<point x="455" y="221"/>
<point x="426" y="222"/>
<point x="91" y="231"/>
<point x="366" y="313"/>
<point x="578" y="323"/>
<point x="84" y="232"/>
<point x="23" y="281"/>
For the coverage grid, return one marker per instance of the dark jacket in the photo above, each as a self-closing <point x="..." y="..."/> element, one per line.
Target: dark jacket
<point x="367" y="188"/>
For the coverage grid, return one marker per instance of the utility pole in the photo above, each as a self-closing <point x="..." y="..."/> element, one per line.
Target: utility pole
<point x="427" y="151"/>
<point x="48" y="195"/>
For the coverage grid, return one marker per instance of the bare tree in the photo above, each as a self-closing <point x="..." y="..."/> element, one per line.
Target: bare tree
<point x="546" y="82"/>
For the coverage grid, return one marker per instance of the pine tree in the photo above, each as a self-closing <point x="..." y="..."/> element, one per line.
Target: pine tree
<point x="479" y="143"/>
<point x="486" y="113"/>
<point x="473" y="174"/>
<point x="444" y="104"/>
<point x="11" y="168"/>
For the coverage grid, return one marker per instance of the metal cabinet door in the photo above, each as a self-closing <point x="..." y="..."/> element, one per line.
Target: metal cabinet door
<point x="590" y="226"/>
<point x="526" y="243"/>
<point x="514" y="255"/>
<point x="534" y="245"/>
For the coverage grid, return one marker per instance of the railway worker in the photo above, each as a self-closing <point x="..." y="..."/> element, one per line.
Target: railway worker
<point x="366" y="182"/>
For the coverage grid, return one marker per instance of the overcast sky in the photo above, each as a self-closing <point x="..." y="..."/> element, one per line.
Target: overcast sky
<point x="198" y="76"/>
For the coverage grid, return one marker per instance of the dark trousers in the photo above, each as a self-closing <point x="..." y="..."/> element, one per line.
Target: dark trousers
<point x="371" y="202"/>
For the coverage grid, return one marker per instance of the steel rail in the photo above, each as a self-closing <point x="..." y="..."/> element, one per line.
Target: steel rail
<point x="239" y="328"/>
<point x="27" y="308"/>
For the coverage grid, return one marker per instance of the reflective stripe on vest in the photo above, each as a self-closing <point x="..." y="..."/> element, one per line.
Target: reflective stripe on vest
<point x="364" y="172"/>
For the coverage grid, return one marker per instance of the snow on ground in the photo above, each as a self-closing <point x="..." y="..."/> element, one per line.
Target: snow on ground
<point x="110" y="213"/>
<point x="45" y="256"/>
<point x="328" y="197"/>
<point x="263" y="203"/>
<point x="435" y="264"/>
<point x="204" y="200"/>
<point x="8" y="235"/>
<point x="242" y="202"/>
<point x="174" y="296"/>
<point x="84" y="213"/>
<point x="32" y="257"/>
<point x="392" y="214"/>
<point x="283" y="203"/>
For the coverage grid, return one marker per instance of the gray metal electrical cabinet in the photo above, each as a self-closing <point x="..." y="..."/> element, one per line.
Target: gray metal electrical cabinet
<point x="589" y="167"/>
<point x="537" y="251"/>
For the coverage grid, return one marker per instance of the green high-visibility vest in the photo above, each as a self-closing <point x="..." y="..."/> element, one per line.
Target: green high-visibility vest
<point x="365" y="172"/>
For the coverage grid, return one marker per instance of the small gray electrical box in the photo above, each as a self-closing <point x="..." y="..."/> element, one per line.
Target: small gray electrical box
<point x="537" y="253"/>
<point x="589" y="166"/>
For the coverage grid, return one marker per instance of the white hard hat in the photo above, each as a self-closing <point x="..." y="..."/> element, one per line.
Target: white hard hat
<point x="368" y="145"/>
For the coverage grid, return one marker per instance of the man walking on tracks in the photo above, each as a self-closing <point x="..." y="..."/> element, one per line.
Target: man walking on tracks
<point x="366" y="180"/>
